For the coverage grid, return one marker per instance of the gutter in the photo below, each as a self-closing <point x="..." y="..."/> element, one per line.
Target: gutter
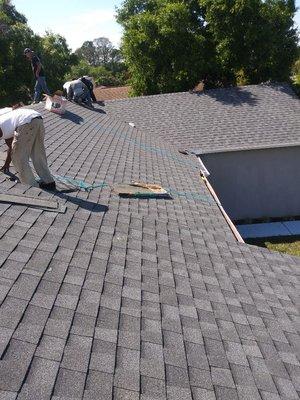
<point x="235" y="232"/>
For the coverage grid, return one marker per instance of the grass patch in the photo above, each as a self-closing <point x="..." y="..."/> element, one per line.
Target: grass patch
<point x="283" y="244"/>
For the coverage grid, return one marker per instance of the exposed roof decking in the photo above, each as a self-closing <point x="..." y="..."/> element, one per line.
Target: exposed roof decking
<point x="239" y="118"/>
<point x="147" y="299"/>
<point x="111" y="93"/>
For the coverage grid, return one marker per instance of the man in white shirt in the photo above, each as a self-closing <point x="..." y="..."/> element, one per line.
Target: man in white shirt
<point x="23" y="131"/>
<point x="76" y="90"/>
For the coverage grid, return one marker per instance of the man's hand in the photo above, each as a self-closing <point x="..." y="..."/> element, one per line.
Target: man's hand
<point x="5" y="169"/>
<point x="6" y="165"/>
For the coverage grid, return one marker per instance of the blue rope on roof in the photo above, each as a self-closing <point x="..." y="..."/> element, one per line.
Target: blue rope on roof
<point x="88" y="187"/>
<point x="157" y="150"/>
<point x="79" y="184"/>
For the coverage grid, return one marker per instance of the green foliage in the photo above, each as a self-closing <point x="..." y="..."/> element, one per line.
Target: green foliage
<point x="101" y="75"/>
<point x="283" y="244"/>
<point x="132" y="8"/>
<point x="165" y="50"/>
<point x="169" y="45"/>
<point x="296" y="68"/>
<point x="87" y="52"/>
<point x="57" y="58"/>
<point x="16" y="77"/>
<point x="99" y="59"/>
<point x="9" y="14"/>
<point x="98" y="52"/>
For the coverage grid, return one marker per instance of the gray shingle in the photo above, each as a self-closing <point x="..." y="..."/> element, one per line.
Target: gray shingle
<point x="14" y="365"/>
<point x="203" y="394"/>
<point x="51" y="348"/>
<point x="69" y="384"/>
<point x="146" y="299"/>
<point x="152" y="361"/>
<point x="222" y="377"/>
<point x="122" y="394"/>
<point x="99" y="386"/>
<point x="178" y="393"/>
<point x="11" y="312"/>
<point x="224" y="393"/>
<point x="77" y="353"/>
<point x="40" y="379"/>
<point x="286" y="388"/>
<point x="231" y="118"/>
<point x="7" y="395"/>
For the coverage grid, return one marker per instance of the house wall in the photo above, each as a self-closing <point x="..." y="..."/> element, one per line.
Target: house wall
<point x="257" y="183"/>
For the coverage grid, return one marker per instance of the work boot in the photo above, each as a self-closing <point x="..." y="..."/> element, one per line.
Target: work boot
<point x="48" y="186"/>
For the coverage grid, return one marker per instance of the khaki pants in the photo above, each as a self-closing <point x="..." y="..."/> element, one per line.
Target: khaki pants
<point x="29" y="143"/>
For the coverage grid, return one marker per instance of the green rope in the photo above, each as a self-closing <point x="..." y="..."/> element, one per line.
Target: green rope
<point x="79" y="184"/>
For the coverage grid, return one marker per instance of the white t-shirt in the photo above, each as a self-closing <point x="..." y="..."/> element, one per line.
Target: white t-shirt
<point x="5" y="110"/>
<point x="10" y="121"/>
<point x="67" y="85"/>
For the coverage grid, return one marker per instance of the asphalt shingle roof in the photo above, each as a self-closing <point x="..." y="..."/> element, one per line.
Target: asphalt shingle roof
<point x="138" y="299"/>
<point x="111" y="93"/>
<point x="237" y="118"/>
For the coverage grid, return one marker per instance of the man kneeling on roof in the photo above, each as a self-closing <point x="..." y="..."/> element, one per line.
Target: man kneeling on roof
<point x="89" y="84"/>
<point x="77" y="91"/>
<point x="23" y="131"/>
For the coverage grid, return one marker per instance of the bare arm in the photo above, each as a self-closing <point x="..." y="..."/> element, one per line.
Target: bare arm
<point x="38" y="69"/>
<point x="6" y="165"/>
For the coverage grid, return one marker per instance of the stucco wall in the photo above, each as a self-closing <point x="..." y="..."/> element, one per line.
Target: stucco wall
<point x="257" y="183"/>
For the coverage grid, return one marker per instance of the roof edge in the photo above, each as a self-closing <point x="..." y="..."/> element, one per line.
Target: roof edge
<point x="199" y="152"/>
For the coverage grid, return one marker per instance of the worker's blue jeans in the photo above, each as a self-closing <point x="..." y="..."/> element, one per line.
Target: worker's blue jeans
<point x="39" y="88"/>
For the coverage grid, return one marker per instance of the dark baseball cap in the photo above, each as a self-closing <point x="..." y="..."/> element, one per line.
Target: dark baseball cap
<point x="27" y="50"/>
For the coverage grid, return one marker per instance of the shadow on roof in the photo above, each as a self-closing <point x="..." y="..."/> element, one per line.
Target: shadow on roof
<point x="232" y="96"/>
<point x="72" y="117"/>
<point x="99" y="110"/>
<point x="95" y="109"/>
<point x="85" y="204"/>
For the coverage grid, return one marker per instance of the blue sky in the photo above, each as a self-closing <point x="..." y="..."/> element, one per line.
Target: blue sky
<point x="78" y="20"/>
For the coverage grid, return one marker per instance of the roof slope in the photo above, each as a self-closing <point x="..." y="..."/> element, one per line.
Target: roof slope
<point x="138" y="299"/>
<point x="236" y="118"/>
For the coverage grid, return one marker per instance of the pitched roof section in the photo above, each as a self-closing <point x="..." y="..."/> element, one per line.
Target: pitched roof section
<point x="138" y="299"/>
<point x="216" y="120"/>
<point x="103" y="93"/>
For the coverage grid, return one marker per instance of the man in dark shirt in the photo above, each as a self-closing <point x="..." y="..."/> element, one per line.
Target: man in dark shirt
<point x="89" y="84"/>
<point x="39" y="75"/>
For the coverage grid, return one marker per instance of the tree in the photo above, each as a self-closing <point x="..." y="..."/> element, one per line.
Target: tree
<point x="9" y="14"/>
<point x="98" y="52"/>
<point x="132" y="8"/>
<point x="100" y="59"/>
<point x="104" y="49"/>
<point x="100" y="74"/>
<point x="88" y="53"/>
<point x="57" y="57"/>
<point x="253" y="39"/>
<point x="16" y="78"/>
<point x="169" y="45"/>
<point x="164" y="45"/>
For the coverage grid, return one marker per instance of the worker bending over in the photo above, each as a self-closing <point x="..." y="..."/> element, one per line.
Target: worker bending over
<point x="23" y="131"/>
<point x="89" y="84"/>
<point x="77" y="91"/>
